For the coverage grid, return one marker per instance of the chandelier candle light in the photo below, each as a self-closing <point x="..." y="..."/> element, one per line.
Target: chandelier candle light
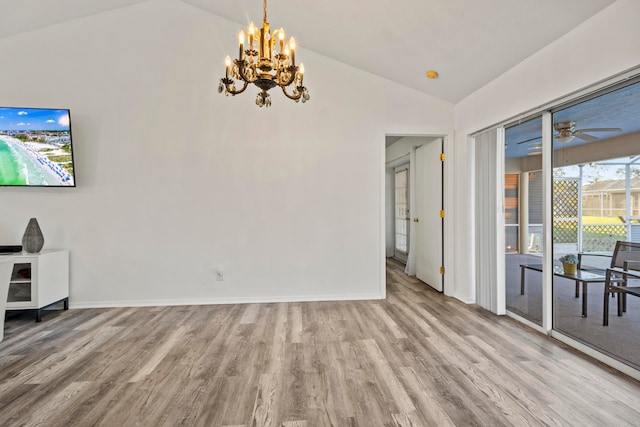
<point x="264" y="67"/>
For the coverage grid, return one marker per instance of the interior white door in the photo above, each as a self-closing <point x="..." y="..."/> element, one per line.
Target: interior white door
<point x="428" y="234"/>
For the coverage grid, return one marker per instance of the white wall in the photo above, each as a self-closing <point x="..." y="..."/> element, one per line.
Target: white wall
<point x="175" y="179"/>
<point x="603" y="46"/>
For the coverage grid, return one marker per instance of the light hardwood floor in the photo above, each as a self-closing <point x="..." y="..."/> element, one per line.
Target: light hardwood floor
<point x="416" y="359"/>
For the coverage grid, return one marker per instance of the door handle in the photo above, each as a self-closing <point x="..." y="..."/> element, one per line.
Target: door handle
<point x="416" y="219"/>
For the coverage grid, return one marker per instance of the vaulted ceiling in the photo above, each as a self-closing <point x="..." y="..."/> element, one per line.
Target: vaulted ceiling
<point x="469" y="42"/>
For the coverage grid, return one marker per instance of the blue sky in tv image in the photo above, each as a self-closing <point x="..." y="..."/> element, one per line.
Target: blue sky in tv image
<point x="33" y="119"/>
<point x="35" y="147"/>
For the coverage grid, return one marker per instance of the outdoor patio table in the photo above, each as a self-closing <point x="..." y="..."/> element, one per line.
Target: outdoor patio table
<point x="582" y="276"/>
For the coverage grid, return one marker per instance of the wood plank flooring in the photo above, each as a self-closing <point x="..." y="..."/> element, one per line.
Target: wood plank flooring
<point x="416" y="359"/>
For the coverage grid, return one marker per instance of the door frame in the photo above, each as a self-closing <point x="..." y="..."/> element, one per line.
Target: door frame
<point x="448" y="241"/>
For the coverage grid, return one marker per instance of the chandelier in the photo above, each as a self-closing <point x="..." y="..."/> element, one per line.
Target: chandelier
<point x="265" y="67"/>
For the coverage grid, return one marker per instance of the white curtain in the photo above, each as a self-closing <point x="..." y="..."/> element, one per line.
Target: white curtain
<point x="489" y="220"/>
<point x="410" y="268"/>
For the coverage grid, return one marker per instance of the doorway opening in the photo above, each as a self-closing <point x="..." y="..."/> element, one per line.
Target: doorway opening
<point x="414" y="206"/>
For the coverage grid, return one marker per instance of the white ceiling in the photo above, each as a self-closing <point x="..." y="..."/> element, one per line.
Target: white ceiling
<point x="21" y="16"/>
<point x="469" y="42"/>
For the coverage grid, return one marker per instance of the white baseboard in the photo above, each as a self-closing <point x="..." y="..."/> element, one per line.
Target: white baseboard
<point x="215" y="301"/>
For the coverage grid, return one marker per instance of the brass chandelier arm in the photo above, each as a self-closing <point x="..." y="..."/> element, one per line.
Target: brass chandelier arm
<point x="296" y="95"/>
<point x="242" y="65"/>
<point x="229" y="82"/>
<point x="293" y="72"/>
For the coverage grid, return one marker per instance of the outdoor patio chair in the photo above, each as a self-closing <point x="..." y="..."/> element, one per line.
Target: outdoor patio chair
<point x="593" y="263"/>
<point x="625" y="265"/>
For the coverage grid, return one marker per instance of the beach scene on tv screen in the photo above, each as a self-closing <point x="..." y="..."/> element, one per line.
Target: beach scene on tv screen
<point x="35" y="147"/>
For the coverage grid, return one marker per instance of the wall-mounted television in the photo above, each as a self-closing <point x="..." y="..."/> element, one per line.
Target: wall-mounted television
<point x="36" y="147"/>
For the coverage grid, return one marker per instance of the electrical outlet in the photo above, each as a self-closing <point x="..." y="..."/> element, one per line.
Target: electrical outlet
<point x="219" y="274"/>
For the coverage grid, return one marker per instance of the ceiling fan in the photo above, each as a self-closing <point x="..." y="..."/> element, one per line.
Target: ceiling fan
<point x="566" y="132"/>
<point x="529" y="140"/>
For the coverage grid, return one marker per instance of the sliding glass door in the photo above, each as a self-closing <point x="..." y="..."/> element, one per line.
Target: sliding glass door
<point x="596" y="188"/>
<point x="523" y="219"/>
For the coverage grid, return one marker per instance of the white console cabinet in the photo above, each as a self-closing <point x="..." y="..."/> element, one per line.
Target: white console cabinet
<point x="39" y="280"/>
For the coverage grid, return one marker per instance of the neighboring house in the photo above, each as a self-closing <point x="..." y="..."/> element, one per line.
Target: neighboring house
<point x="607" y="198"/>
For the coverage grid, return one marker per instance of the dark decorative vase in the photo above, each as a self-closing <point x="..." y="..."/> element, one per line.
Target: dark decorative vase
<point x="33" y="240"/>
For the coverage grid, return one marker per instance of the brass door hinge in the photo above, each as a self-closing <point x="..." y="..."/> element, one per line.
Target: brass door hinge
<point x="441" y="214"/>
<point x="442" y="156"/>
<point x="441" y="270"/>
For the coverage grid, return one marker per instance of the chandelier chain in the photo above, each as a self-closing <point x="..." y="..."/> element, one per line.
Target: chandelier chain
<point x="265" y="11"/>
